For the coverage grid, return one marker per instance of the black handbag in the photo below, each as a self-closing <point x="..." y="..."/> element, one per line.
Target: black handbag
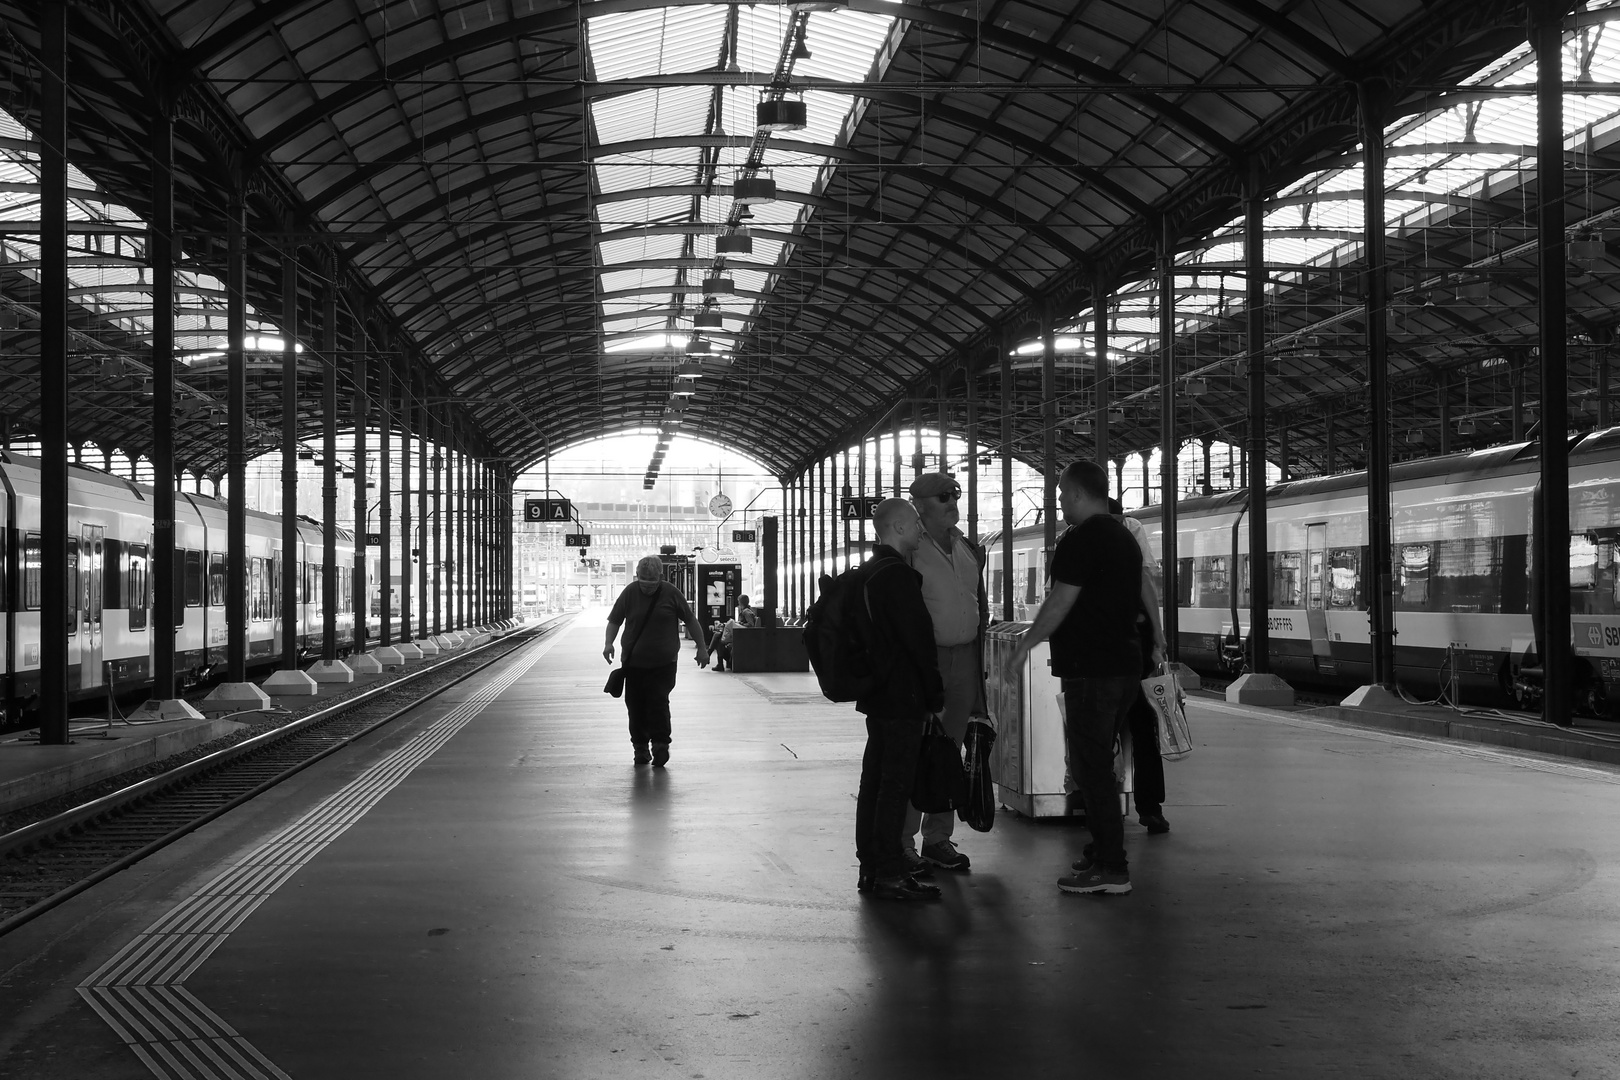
<point x="978" y="809"/>
<point x="940" y="785"/>
<point x="615" y="683"/>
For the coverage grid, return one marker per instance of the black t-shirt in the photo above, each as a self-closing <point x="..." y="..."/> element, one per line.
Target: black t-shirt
<point x="1098" y="638"/>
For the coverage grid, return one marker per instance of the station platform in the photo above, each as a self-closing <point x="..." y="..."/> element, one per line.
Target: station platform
<point x="492" y="890"/>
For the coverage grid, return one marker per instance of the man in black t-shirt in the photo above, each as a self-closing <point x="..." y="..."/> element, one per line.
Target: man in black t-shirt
<point x="1090" y="616"/>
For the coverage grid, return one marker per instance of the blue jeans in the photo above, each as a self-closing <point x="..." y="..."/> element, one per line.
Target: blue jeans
<point x="887" y="771"/>
<point x="1095" y="711"/>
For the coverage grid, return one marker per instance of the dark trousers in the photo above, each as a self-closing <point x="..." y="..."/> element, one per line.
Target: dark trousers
<point x="887" y="771"/>
<point x="646" y="698"/>
<point x="1095" y="711"/>
<point x="1145" y="757"/>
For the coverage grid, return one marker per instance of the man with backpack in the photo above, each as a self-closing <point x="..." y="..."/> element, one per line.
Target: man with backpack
<point x="888" y="612"/>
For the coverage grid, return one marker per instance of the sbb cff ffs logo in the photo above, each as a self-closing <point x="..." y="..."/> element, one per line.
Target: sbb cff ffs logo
<point x="548" y="511"/>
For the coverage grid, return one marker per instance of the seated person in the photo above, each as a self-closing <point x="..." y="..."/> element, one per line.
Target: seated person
<point x="720" y="643"/>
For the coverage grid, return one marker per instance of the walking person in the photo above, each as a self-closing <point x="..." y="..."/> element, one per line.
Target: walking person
<point x="952" y="572"/>
<point x="1146" y="760"/>
<point x="906" y="691"/>
<point x="652" y="612"/>
<point x="1089" y="615"/>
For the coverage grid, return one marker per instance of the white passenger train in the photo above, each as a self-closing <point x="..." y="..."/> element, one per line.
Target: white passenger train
<point x="109" y="586"/>
<point x="1461" y="551"/>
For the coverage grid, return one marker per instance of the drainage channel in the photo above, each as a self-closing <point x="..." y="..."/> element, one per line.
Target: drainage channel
<point x="48" y="862"/>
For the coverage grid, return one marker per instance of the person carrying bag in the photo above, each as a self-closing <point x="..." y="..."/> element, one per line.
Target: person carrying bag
<point x="1163" y="694"/>
<point x="655" y="610"/>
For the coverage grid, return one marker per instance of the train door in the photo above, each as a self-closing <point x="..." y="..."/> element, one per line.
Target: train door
<point x="92" y="548"/>
<point x="1316" y="592"/>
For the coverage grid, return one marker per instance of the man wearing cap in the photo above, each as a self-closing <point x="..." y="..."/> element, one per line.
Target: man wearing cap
<point x="952" y="570"/>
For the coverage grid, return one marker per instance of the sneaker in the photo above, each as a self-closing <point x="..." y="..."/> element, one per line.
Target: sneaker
<point x="660" y="755"/>
<point x="944" y="854"/>
<point x="642" y="757"/>
<point x="1097" y="880"/>
<point x="1155" y="823"/>
<point x="1087" y="859"/>
<point x="904" y="888"/>
<point x="917" y="866"/>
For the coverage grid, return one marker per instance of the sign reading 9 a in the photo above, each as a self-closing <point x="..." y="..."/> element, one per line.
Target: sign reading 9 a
<point x="548" y="511"/>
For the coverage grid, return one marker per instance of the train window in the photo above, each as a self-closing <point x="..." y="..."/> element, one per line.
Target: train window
<point x="1413" y="565"/>
<point x="1211" y="589"/>
<point x="1344" y="578"/>
<point x="193" y="577"/>
<point x="1184" y="583"/>
<point x="1286" y="581"/>
<point x="258" y="590"/>
<point x="135" y="592"/>
<point x="73" y="586"/>
<point x="31" y="571"/>
<point x="216" y="579"/>
<point x="112" y="575"/>
<point x="1467" y="575"/>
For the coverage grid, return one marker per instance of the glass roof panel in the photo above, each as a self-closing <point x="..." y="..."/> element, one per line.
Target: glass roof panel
<point x="656" y="42"/>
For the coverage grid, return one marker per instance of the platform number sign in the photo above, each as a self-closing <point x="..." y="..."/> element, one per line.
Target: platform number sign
<point x="744" y="536"/>
<point x="579" y="540"/>
<point x="859" y="507"/>
<point x="548" y="511"/>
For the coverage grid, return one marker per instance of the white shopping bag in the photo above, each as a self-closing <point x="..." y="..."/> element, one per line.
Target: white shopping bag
<point x="1163" y="693"/>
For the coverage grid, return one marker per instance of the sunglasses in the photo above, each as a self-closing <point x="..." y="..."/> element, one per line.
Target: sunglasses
<point x="949" y="496"/>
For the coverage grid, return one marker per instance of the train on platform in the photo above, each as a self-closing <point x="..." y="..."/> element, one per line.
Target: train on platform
<point x="1462" y="565"/>
<point x="109" y="587"/>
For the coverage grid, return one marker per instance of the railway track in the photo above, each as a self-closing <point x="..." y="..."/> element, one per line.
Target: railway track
<point x="49" y="861"/>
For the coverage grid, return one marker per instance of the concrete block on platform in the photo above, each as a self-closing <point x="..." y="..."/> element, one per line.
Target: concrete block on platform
<point x="31" y="773"/>
<point x="1253" y="689"/>
<point x="446" y="642"/>
<point x="331" y="671"/>
<point x="172" y="709"/>
<point x="428" y="648"/>
<point x="236" y="697"/>
<point x="289" y="683"/>
<point x="368" y="663"/>
<point x="1186" y="676"/>
<point x="407" y="651"/>
<point x="1374" y="698"/>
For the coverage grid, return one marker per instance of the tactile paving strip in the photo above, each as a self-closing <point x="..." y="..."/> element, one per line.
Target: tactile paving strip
<point x="139" y="992"/>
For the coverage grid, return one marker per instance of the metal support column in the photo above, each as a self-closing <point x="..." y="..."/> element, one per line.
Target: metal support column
<point x="1099" y="326"/>
<point x="440" y="476"/>
<point x="362" y="519"/>
<point x="1603" y="387"/>
<point x="1443" y="395"/>
<point x="289" y="461"/>
<point x="1049" y="465"/>
<point x="1006" y="480"/>
<point x="423" y="602"/>
<point x="236" y="585"/>
<point x="1552" y="547"/>
<point x="53" y="377"/>
<point x="385" y="495"/>
<point x="1169" y="443"/>
<point x="942" y="424"/>
<point x="329" y="492"/>
<point x="1381" y="608"/>
<point x="860" y="482"/>
<point x="972" y="456"/>
<point x="166" y="574"/>
<point x="1254" y="259"/>
<point x="407" y="622"/>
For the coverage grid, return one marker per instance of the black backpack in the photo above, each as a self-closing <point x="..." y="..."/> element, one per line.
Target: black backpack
<point x="838" y="633"/>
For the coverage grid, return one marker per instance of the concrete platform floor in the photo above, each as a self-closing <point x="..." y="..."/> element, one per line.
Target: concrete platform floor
<point x="1330" y="902"/>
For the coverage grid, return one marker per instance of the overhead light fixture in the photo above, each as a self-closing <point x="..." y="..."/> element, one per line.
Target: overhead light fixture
<point x="1465" y="426"/>
<point x="1082" y="427"/>
<point x="718" y="284"/>
<point x="684" y="390"/>
<point x="1587" y="250"/>
<point x="689" y="370"/>
<point x="707" y="320"/>
<point x="781" y="113"/>
<point x="1196" y="387"/>
<point x="697" y="345"/>
<point x="1116" y="416"/>
<point x="754" y="186"/>
<point x="736" y="242"/>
